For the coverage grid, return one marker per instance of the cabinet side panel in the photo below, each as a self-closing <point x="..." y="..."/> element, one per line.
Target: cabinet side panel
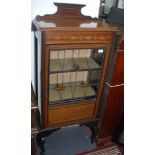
<point x="39" y="75"/>
<point x="102" y="80"/>
<point x="45" y="83"/>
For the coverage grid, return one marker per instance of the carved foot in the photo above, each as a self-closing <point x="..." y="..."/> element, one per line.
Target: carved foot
<point x="40" y="139"/>
<point x="94" y="130"/>
<point x="40" y="142"/>
<point x="94" y="134"/>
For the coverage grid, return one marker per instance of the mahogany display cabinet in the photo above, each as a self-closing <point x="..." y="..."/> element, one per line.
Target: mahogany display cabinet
<point x="71" y="57"/>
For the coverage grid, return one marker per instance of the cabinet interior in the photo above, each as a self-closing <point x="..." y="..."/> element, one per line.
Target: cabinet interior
<point x="74" y="74"/>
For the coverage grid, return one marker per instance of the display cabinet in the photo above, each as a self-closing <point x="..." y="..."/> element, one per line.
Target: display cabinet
<point x="71" y="57"/>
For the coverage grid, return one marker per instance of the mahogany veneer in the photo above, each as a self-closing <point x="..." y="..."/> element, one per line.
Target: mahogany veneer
<point x="69" y="29"/>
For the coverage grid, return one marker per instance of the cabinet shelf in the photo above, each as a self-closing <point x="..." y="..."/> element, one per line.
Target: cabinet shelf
<point x="71" y="91"/>
<point x="71" y="65"/>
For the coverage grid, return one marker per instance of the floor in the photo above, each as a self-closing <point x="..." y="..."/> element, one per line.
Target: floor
<point x="68" y="141"/>
<point x="71" y="141"/>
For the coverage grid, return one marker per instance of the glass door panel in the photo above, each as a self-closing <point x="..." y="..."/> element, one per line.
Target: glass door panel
<point x="74" y="74"/>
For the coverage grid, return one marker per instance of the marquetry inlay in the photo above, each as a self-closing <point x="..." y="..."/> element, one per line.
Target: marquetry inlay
<point x="78" y="37"/>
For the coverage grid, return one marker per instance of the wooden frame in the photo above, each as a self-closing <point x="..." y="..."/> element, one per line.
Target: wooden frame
<point x="46" y="74"/>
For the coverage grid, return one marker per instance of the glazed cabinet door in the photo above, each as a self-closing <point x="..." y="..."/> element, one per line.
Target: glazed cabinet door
<point x="73" y="81"/>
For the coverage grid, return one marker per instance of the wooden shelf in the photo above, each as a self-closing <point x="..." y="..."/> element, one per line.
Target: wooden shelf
<point x="71" y="91"/>
<point x="67" y="65"/>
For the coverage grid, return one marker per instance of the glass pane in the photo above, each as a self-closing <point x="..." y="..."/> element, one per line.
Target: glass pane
<point x="74" y="74"/>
